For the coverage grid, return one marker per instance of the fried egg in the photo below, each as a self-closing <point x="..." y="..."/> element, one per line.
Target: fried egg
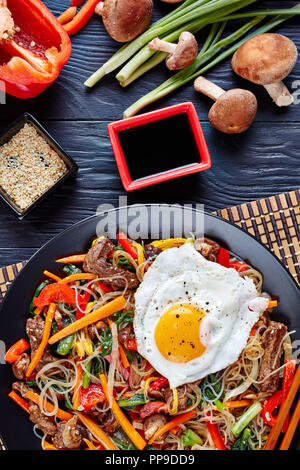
<point x="192" y="316"/>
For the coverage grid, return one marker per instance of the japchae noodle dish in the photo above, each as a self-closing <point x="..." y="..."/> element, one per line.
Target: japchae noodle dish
<point x="167" y="345"/>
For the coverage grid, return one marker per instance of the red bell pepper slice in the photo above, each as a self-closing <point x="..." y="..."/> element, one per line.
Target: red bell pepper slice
<point x="16" y="350"/>
<point x="223" y="257"/>
<point x="215" y="434"/>
<point x="27" y="69"/>
<point x="131" y="344"/>
<point x="128" y="247"/>
<point x="82" y="17"/>
<point x="19" y="400"/>
<point x="152" y="407"/>
<point x="92" y="395"/>
<point x="76" y="3"/>
<point x="239" y="266"/>
<point x="83" y="304"/>
<point x="270" y="406"/>
<point x="158" y="384"/>
<point x="288" y="376"/>
<point x="56" y="293"/>
<point x="104" y="287"/>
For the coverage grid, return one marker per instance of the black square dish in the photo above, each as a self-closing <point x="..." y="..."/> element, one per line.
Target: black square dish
<point x="71" y="166"/>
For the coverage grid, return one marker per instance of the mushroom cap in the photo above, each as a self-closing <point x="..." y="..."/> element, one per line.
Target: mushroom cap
<point x="234" y="111"/>
<point x="126" y="19"/>
<point x="265" y="59"/>
<point x="185" y="52"/>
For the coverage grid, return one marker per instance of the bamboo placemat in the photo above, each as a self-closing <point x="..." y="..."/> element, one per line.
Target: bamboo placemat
<point x="275" y="221"/>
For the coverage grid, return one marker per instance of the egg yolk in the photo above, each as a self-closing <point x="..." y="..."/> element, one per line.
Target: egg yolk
<point x="177" y="334"/>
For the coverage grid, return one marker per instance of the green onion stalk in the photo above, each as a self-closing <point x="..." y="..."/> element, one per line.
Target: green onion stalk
<point x="193" y="27"/>
<point x="194" y="70"/>
<point x="186" y="13"/>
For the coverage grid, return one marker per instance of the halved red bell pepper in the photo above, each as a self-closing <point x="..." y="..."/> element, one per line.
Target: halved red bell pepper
<point x="56" y="293"/>
<point x="16" y="350"/>
<point x="40" y="47"/>
<point x="89" y="397"/>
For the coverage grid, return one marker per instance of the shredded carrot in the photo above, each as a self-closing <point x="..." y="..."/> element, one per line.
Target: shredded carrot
<point x="175" y="430"/>
<point x="123" y="356"/>
<point x="40" y="350"/>
<point x="131" y="432"/>
<point x="52" y="276"/>
<point x="237" y="404"/>
<point x="19" y="400"/>
<point x="97" y="432"/>
<point x="78" y="387"/>
<point x="172" y="424"/>
<point x="91" y="446"/>
<point x="272" y="304"/>
<point x="38" y="310"/>
<point x="67" y="15"/>
<point x="78" y="277"/>
<point x="283" y="412"/>
<point x="72" y="259"/>
<point x="287" y="439"/>
<point x="61" y="414"/>
<point x="107" y="310"/>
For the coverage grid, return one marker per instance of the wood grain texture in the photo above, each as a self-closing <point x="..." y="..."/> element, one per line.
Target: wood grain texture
<point x="257" y="164"/>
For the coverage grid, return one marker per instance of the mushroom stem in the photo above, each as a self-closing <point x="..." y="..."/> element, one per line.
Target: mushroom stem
<point x="163" y="46"/>
<point x="280" y="94"/>
<point x="99" y="8"/>
<point x="208" y="88"/>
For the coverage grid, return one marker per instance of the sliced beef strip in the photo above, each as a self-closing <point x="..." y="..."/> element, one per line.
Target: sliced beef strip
<point x="153" y="424"/>
<point x="34" y="329"/>
<point x="96" y="262"/>
<point x="182" y="400"/>
<point x="207" y="247"/>
<point x="20" y="366"/>
<point x="45" y="423"/>
<point x="106" y="420"/>
<point x="68" y="435"/>
<point x="271" y="340"/>
<point x="151" y="252"/>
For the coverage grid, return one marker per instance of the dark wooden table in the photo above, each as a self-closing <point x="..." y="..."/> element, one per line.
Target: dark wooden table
<point x="256" y="164"/>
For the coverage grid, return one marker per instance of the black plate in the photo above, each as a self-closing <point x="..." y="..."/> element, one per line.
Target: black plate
<point x="15" y="428"/>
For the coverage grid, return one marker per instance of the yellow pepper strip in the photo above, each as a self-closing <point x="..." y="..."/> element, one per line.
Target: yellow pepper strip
<point x="140" y="252"/>
<point x="89" y="307"/>
<point x="168" y="243"/>
<point x="96" y="239"/>
<point x="88" y="346"/>
<point x="131" y="432"/>
<point x="79" y="349"/>
<point x="148" y="382"/>
<point x="174" y="409"/>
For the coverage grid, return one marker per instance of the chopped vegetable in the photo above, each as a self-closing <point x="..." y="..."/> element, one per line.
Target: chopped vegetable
<point x="270" y="406"/>
<point x="211" y="390"/>
<point x="65" y="345"/>
<point x="244" y="441"/>
<point x="40" y="350"/>
<point x="67" y="15"/>
<point x="76" y="3"/>
<point x="174" y="408"/>
<point x="82" y="17"/>
<point x="215" y="434"/>
<point x="288" y="376"/>
<point x="104" y="287"/>
<point x="103" y="312"/>
<point x="272" y="304"/>
<point x="91" y="396"/>
<point x="78" y="387"/>
<point x="55" y="293"/>
<point x="72" y="259"/>
<point x="127" y="245"/>
<point x="237" y="404"/>
<point x="140" y="252"/>
<point x="16" y="350"/>
<point x="131" y="344"/>
<point x="86" y="379"/>
<point x="223" y="257"/>
<point x="180" y="419"/>
<point x="189" y="438"/>
<point x="239" y="266"/>
<point x="97" y="432"/>
<point x="137" y="399"/>
<point x="124" y="422"/>
<point x="123" y="356"/>
<point x="19" y="400"/>
<point x="158" y="384"/>
<point x="78" y="277"/>
<point x="168" y="243"/>
<point x="61" y="414"/>
<point x="246" y="418"/>
<point x="52" y="276"/>
<point x="37" y="292"/>
<point x="152" y="407"/>
<point x="70" y="269"/>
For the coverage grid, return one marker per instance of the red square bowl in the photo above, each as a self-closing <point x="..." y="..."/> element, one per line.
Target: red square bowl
<point x="145" y="145"/>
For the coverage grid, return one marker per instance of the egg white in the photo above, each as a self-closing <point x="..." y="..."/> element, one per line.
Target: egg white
<point x="183" y="276"/>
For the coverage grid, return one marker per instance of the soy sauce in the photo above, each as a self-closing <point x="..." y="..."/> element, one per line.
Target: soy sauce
<point x="159" y="146"/>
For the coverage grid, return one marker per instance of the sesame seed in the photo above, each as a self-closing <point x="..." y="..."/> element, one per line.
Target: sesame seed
<point x="28" y="167"/>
